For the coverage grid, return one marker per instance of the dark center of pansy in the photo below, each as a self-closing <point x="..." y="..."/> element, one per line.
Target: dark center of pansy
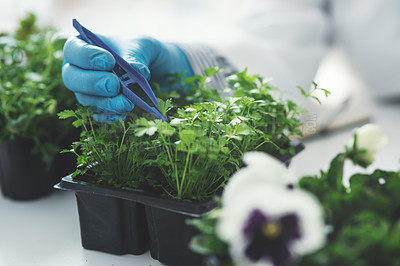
<point x="270" y="237"/>
<point x="271" y="229"/>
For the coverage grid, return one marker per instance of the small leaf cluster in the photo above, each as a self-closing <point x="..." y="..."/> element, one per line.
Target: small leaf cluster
<point x="207" y="242"/>
<point x="363" y="219"/>
<point x="109" y="152"/>
<point x="31" y="89"/>
<point x="193" y="157"/>
<point x="194" y="154"/>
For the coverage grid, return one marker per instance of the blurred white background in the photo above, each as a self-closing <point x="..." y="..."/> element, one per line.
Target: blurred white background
<point x="203" y="21"/>
<point x="164" y="19"/>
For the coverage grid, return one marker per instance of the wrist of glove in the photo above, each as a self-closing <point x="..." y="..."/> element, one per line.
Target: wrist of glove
<point x="87" y="70"/>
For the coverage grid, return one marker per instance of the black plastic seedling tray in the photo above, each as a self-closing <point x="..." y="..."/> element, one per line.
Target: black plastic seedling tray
<point x="138" y="196"/>
<point x="297" y="145"/>
<point x="23" y="176"/>
<point x="128" y="221"/>
<point x="111" y="224"/>
<point x="170" y="237"/>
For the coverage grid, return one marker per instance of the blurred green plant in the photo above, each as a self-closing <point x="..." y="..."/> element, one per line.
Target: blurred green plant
<point x="31" y="88"/>
<point x="363" y="218"/>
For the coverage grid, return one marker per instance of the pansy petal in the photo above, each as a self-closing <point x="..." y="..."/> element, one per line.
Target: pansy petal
<point x="261" y="169"/>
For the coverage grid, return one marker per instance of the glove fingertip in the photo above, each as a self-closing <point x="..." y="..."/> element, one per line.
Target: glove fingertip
<point x="102" y="60"/>
<point x="108" y="118"/>
<point x="100" y="118"/>
<point x="108" y="85"/>
<point x="142" y="68"/>
<point x="130" y="105"/>
<point x="125" y="104"/>
<point x="87" y="56"/>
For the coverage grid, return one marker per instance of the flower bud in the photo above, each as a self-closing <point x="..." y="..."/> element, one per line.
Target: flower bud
<point x="369" y="139"/>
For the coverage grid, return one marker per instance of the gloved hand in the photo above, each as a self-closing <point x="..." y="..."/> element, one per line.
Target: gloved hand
<point x="86" y="71"/>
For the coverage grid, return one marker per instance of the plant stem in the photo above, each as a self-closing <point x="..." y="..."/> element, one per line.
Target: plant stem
<point x="184" y="173"/>
<point x="123" y="137"/>
<point x="189" y="171"/>
<point x="335" y="172"/>
<point x="92" y="129"/>
<point x="173" y="165"/>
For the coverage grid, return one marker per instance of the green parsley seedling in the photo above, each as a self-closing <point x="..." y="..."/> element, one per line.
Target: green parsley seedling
<point x="194" y="154"/>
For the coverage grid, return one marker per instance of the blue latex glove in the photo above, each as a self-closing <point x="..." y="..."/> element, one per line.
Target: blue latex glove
<point x="86" y="71"/>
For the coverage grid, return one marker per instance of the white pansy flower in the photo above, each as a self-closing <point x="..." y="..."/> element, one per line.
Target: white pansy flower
<point x="270" y="225"/>
<point x="370" y="139"/>
<point x="261" y="169"/>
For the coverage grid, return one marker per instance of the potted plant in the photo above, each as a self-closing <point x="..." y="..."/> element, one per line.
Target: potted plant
<point x="31" y="94"/>
<point x="317" y="220"/>
<point x="175" y="168"/>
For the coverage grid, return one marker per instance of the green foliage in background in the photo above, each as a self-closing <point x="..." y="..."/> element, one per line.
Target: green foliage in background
<point x="31" y="89"/>
<point x="363" y="219"/>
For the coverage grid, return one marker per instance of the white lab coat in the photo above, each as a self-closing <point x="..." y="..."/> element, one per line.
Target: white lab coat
<point x="287" y="39"/>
